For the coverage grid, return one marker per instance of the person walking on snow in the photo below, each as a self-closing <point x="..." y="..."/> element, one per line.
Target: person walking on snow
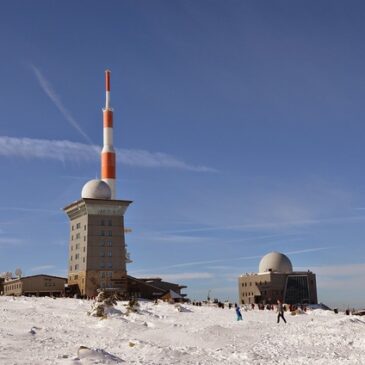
<point x="238" y="312"/>
<point x="280" y="311"/>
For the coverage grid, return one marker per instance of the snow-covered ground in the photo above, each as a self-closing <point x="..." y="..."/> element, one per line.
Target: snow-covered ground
<point x="51" y="331"/>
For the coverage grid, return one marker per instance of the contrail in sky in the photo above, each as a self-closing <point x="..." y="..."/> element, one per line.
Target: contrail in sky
<point x="185" y="264"/>
<point x="49" y="91"/>
<point x="59" y="150"/>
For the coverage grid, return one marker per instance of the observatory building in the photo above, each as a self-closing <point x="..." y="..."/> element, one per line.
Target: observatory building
<point x="276" y="280"/>
<point x="97" y="250"/>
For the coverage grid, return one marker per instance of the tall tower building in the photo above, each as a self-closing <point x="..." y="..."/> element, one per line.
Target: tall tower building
<point x="97" y="250"/>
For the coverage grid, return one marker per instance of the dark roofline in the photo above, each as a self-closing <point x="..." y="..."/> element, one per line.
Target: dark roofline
<point x="148" y="284"/>
<point x="34" y="276"/>
<point x="98" y="200"/>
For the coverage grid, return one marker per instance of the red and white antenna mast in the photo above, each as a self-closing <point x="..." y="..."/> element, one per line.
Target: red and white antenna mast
<point x="108" y="166"/>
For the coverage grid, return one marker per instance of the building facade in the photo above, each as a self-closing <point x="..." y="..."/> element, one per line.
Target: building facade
<point x="153" y="288"/>
<point x="276" y="280"/>
<point x="97" y="250"/>
<point x="37" y="285"/>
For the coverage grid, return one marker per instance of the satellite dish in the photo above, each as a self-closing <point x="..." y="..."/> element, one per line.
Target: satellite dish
<point x="18" y="273"/>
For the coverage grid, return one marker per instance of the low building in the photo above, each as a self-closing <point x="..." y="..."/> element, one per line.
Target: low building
<point x="153" y="288"/>
<point x="276" y="280"/>
<point x="38" y="285"/>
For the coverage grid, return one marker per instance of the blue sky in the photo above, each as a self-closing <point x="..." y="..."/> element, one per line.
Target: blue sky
<point x="239" y="127"/>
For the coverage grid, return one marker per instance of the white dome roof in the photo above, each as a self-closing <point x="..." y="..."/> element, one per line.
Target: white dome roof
<point x="96" y="189"/>
<point x="276" y="262"/>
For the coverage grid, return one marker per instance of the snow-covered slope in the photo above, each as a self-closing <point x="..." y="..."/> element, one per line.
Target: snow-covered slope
<point x="51" y="331"/>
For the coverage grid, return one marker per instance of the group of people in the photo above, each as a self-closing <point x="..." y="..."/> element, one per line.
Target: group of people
<point x="279" y="309"/>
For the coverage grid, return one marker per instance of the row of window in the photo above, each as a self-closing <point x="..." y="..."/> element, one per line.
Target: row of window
<point x="105" y="253"/>
<point x="106" y="233"/>
<point x="77" y="237"/>
<point x="78" y="226"/>
<point x="102" y="233"/>
<point x="49" y="284"/>
<point x="106" y="223"/>
<point x="77" y="246"/>
<point x="102" y="265"/>
<point x="77" y="256"/>
<point x="106" y="274"/>
<point x="103" y="222"/>
<point x="13" y="286"/>
<point x="256" y="283"/>
<point x="106" y="243"/>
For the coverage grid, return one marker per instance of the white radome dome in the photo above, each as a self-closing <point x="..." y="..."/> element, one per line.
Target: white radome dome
<point x="96" y="189"/>
<point x="275" y="262"/>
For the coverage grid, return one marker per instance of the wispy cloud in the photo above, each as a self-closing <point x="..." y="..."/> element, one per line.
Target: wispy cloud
<point x="231" y="259"/>
<point x="171" y="238"/>
<point x="182" y="276"/>
<point x="65" y="149"/>
<point x="21" y="209"/>
<point x="144" y="158"/>
<point x="340" y="270"/>
<point x="274" y="225"/>
<point x="42" y="267"/>
<point x="59" y="150"/>
<point x="7" y="241"/>
<point x="49" y="91"/>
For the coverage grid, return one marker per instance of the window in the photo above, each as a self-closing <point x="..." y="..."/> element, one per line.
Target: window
<point x="84" y="238"/>
<point x="72" y="238"/>
<point x="77" y="246"/>
<point x="110" y="233"/>
<point x="102" y="244"/>
<point x="76" y="277"/>
<point x="72" y="228"/>
<point x="110" y="243"/>
<point x="109" y="222"/>
<point x="110" y="254"/>
<point x="110" y="265"/>
<point x="84" y="249"/>
<point x="102" y="253"/>
<point x="78" y="225"/>
<point x="102" y="222"/>
<point x="85" y="227"/>
<point x="102" y="233"/>
<point x="77" y="235"/>
<point x="72" y="248"/>
<point x="77" y="256"/>
<point x="102" y="265"/>
<point x="71" y="258"/>
<point x="83" y="259"/>
<point x="76" y="266"/>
